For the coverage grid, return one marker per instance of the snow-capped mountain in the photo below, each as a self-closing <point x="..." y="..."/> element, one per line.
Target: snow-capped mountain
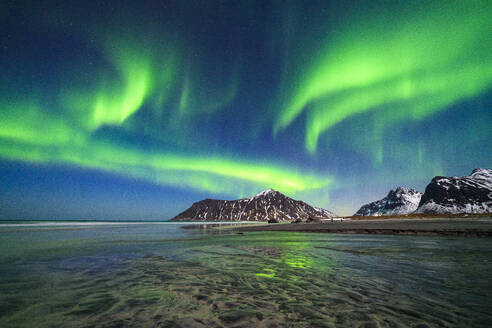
<point x="399" y="201"/>
<point x="470" y="194"/>
<point x="268" y="205"/>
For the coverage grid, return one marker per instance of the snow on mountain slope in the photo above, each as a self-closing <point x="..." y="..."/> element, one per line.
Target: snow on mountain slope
<point x="268" y="205"/>
<point x="399" y="201"/>
<point x="453" y="195"/>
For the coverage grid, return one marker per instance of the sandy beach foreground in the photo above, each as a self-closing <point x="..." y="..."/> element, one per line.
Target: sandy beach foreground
<point x="479" y="227"/>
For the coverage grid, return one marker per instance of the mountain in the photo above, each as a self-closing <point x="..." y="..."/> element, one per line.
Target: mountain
<point x="268" y="205"/>
<point x="399" y="201"/>
<point x="470" y="194"/>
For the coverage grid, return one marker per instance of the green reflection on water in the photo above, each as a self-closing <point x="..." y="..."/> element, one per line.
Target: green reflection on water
<point x="297" y="255"/>
<point x="251" y="280"/>
<point x="270" y="273"/>
<point x="286" y="257"/>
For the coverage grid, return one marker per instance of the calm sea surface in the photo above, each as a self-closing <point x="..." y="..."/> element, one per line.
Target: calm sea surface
<point x="159" y="275"/>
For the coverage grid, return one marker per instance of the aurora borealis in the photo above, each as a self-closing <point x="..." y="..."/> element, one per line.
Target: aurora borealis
<point x="134" y="110"/>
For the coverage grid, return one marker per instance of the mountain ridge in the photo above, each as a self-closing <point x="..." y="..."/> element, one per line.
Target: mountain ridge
<point x="268" y="205"/>
<point x="401" y="200"/>
<point x="452" y="195"/>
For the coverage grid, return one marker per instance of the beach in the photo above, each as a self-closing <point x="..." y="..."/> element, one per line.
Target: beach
<point x="160" y="275"/>
<point x="470" y="226"/>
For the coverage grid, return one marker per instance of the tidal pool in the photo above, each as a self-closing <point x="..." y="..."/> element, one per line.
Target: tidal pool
<point x="159" y="275"/>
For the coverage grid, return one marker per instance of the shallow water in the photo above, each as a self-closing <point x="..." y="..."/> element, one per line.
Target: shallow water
<point x="159" y="275"/>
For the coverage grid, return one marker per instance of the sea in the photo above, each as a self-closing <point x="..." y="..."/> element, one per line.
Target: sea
<point x="158" y="274"/>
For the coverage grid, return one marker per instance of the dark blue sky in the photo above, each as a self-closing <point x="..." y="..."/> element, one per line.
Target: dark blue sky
<point x="135" y="110"/>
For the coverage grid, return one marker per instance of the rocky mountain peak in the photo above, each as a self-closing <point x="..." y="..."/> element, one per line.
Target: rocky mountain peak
<point x="468" y="194"/>
<point x="268" y="192"/>
<point x="482" y="171"/>
<point x="403" y="190"/>
<point x="483" y="174"/>
<point x="401" y="200"/>
<point x="268" y="205"/>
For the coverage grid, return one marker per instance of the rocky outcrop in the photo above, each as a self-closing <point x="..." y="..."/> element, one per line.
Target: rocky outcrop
<point x="398" y="202"/>
<point x="454" y="195"/>
<point x="269" y="205"/>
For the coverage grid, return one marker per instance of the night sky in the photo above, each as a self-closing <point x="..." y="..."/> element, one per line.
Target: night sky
<point x="129" y="110"/>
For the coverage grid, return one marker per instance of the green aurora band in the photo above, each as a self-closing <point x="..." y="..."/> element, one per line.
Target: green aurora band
<point x="365" y="73"/>
<point x="40" y="138"/>
<point x="142" y="74"/>
<point x="430" y="60"/>
<point x="139" y="76"/>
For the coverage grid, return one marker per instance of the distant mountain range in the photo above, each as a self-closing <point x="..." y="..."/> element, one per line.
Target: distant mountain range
<point x="470" y="194"/>
<point x="443" y="195"/>
<point x="268" y="205"/>
<point x="399" y="201"/>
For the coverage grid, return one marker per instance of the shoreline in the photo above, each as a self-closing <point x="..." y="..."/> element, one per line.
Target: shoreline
<point x="466" y="227"/>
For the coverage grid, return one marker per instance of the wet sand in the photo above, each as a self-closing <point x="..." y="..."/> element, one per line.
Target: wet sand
<point x="153" y="276"/>
<point x="474" y="227"/>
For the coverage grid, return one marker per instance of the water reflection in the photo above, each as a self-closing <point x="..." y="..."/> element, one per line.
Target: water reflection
<point x="150" y="277"/>
<point x="268" y="273"/>
<point x="281" y="257"/>
<point x="296" y="255"/>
